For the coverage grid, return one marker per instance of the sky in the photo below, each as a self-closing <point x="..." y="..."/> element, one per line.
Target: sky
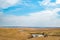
<point x="30" y="13"/>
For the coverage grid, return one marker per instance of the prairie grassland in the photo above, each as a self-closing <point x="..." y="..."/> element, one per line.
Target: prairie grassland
<point x="25" y="33"/>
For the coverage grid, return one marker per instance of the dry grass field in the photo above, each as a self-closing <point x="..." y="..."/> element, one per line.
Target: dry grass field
<point x="25" y="33"/>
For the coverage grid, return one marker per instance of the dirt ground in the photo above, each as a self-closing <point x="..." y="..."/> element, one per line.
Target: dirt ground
<point x="25" y="33"/>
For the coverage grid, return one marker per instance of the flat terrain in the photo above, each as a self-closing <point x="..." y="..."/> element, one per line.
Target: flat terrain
<point x="25" y="33"/>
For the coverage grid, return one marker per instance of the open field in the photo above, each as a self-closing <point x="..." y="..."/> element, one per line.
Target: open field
<point x="25" y="33"/>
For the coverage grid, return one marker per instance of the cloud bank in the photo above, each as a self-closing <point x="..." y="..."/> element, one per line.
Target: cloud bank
<point x="46" y="18"/>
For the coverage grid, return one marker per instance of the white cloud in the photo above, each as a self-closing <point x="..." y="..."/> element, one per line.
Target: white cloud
<point x="48" y="4"/>
<point x="57" y="1"/>
<point x="7" y="3"/>
<point x="45" y="2"/>
<point x="46" y="18"/>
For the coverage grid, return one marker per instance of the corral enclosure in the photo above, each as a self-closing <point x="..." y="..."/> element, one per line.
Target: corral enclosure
<point x="26" y="33"/>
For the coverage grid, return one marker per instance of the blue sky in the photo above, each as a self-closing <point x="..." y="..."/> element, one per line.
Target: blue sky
<point x="30" y="13"/>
